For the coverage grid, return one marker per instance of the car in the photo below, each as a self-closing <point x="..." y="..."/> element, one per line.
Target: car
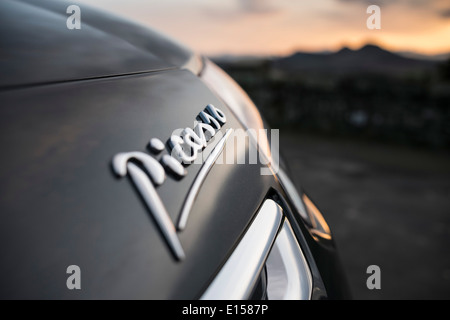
<point x="134" y="168"/>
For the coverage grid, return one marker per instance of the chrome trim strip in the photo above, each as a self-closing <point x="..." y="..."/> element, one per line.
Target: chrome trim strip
<point x="293" y="194"/>
<point x="288" y="273"/>
<point x="207" y="165"/>
<point x="237" y="278"/>
<point x="194" y="64"/>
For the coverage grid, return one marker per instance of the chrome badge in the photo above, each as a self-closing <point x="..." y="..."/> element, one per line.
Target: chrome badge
<point x="184" y="150"/>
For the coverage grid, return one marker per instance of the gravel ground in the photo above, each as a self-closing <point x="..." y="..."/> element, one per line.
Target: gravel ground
<point x="386" y="205"/>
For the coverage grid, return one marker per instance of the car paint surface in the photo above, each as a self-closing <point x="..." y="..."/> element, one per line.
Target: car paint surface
<point x="65" y="111"/>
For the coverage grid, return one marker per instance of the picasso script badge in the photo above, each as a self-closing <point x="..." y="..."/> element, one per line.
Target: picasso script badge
<point x="147" y="173"/>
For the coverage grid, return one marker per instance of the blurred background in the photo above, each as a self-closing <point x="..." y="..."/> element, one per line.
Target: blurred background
<point x="364" y="117"/>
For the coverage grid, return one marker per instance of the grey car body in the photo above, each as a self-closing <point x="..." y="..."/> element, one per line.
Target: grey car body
<point x="70" y="100"/>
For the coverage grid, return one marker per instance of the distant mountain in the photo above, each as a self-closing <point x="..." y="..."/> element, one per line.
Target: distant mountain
<point x="369" y="59"/>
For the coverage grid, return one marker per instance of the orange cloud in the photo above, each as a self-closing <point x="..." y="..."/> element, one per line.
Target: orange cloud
<point x="282" y="26"/>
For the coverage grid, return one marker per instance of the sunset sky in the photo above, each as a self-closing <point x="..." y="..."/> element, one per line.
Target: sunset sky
<point x="279" y="27"/>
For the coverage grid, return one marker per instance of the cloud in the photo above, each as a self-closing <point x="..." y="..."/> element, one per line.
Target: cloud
<point x="370" y="2"/>
<point x="258" y="6"/>
<point x="438" y="8"/>
<point x="444" y="13"/>
<point x="239" y="9"/>
<point x="405" y="3"/>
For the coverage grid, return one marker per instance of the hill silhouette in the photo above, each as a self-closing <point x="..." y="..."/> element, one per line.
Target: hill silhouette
<point x="369" y="59"/>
